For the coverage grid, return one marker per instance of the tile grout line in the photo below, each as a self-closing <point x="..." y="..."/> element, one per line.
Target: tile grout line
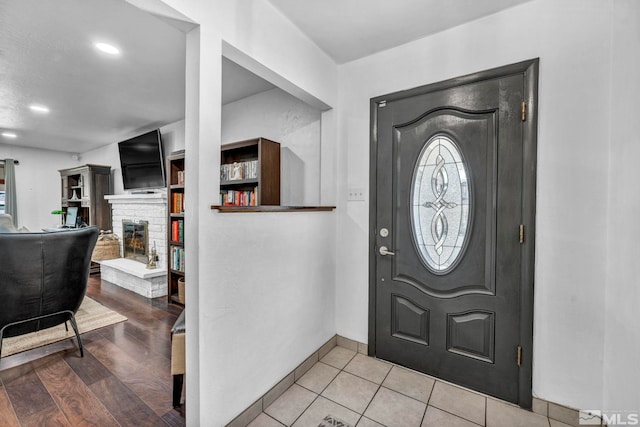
<point x="374" y="394"/>
<point x="451" y="413"/>
<point x="486" y="406"/>
<point x="319" y="394"/>
<point x="272" y="419"/>
<point x="325" y="387"/>
<point x="340" y="371"/>
<point x="304" y="410"/>
<point x="457" y="415"/>
<point x="435" y="380"/>
<point x="427" y="404"/>
<point x="381" y="385"/>
<point x="334" y="378"/>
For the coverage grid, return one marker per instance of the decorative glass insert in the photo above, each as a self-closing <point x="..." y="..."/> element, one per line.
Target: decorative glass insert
<point x="440" y="204"/>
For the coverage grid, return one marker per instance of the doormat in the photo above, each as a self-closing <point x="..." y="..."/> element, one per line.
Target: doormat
<point x="331" y="421"/>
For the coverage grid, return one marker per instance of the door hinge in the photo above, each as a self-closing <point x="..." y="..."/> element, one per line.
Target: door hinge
<point x="519" y="357"/>
<point x="382" y="104"/>
<point x="524" y="111"/>
<point x="521" y="233"/>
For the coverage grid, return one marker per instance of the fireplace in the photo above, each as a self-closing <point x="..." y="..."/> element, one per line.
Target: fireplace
<point x="127" y="272"/>
<point x="135" y="240"/>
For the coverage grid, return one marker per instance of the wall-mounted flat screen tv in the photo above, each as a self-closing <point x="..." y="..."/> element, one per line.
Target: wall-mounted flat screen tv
<point x="142" y="162"/>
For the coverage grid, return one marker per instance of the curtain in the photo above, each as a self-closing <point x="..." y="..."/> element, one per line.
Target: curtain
<point x="10" y="195"/>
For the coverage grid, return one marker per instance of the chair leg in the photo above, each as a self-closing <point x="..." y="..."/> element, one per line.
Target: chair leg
<point x="2" y="336"/>
<point x="66" y="327"/>
<point x="178" y="380"/>
<point x="72" y="319"/>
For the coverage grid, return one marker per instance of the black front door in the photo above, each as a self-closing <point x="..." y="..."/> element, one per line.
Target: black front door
<point x="447" y="215"/>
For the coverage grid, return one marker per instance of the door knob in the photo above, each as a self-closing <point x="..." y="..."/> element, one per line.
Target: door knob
<point x="385" y="251"/>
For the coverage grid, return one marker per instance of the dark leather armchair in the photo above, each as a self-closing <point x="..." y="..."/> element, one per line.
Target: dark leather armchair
<point x="43" y="279"/>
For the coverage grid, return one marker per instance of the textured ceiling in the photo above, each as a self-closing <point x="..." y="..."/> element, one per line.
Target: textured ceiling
<point x="47" y="57"/>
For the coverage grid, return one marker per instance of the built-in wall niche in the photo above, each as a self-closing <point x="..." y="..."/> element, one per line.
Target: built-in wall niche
<point x="255" y="108"/>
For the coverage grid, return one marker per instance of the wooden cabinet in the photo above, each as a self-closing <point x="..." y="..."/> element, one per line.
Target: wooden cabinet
<point x="176" y="227"/>
<point x="84" y="187"/>
<point x="250" y="173"/>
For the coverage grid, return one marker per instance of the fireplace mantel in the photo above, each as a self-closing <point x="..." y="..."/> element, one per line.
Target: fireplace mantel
<point x="152" y="198"/>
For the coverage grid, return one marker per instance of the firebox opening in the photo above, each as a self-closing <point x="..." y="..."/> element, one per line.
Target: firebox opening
<point x="135" y="242"/>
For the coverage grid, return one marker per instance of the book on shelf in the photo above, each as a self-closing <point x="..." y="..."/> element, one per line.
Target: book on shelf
<point x="177" y="231"/>
<point x="177" y="203"/>
<point x="180" y="177"/>
<point x="177" y="258"/>
<point x="239" y="170"/>
<point x="239" y="197"/>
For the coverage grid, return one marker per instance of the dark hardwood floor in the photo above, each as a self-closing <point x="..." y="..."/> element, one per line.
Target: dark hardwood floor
<point x="123" y="379"/>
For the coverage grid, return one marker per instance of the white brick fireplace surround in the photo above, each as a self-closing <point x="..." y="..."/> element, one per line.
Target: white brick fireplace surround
<point x="131" y="274"/>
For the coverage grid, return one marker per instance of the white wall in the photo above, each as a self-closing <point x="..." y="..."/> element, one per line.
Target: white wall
<point x="172" y="139"/>
<point x="572" y="38"/>
<point x="573" y="277"/>
<point x="274" y="306"/>
<point x="255" y="327"/>
<point x="278" y="116"/>
<point x="37" y="184"/>
<point x="622" y="335"/>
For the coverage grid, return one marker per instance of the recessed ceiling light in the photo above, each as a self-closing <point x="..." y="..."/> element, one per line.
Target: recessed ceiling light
<point x="107" y="48"/>
<point x="9" y="135"/>
<point x="39" y="108"/>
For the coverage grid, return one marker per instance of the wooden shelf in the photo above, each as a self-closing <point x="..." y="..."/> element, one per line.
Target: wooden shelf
<point x="175" y="188"/>
<point x="245" y="209"/>
<point x="239" y="182"/>
<point x="260" y="156"/>
<point x="90" y="183"/>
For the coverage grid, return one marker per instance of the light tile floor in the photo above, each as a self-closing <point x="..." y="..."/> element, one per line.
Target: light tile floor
<point x="366" y="392"/>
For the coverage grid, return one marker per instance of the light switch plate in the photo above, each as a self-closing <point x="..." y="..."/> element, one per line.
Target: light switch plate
<point x="356" y="195"/>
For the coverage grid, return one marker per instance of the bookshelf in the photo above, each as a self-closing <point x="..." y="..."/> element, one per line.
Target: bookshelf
<point x="175" y="227"/>
<point x="84" y="187"/>
<point x="250" y="173"/>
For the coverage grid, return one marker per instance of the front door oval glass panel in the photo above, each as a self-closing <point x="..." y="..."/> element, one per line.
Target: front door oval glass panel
<point x="441" y="204"/>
